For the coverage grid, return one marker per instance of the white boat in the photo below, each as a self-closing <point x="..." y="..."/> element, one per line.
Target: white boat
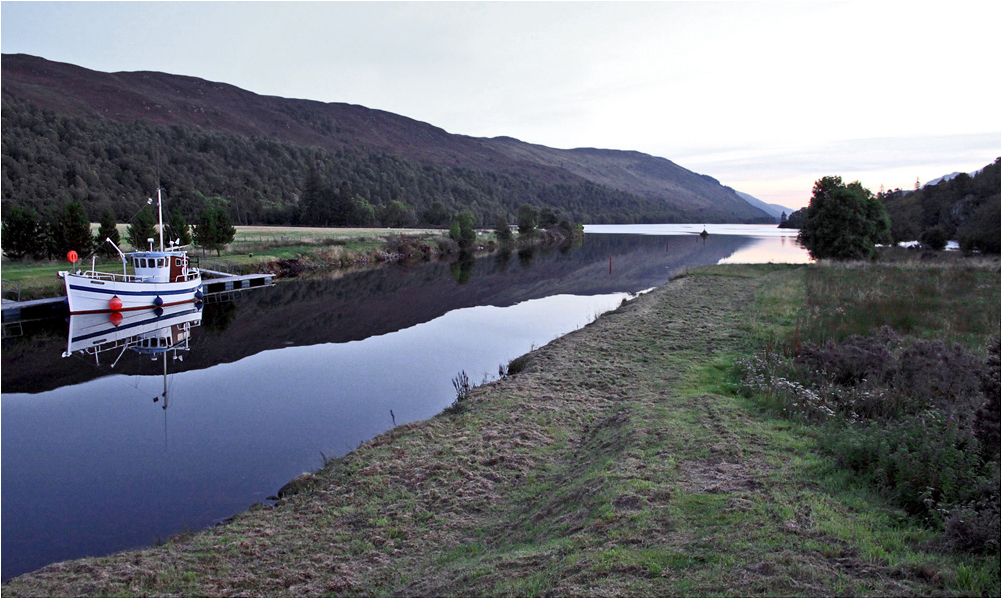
<point x="159" y="278"/>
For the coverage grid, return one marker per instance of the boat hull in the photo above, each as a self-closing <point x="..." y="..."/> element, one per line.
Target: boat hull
<point x="87" y="295"/>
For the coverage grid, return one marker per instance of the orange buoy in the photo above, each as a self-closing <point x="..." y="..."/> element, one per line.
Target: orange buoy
<point x="72" y="256"/>
<point x="115" y="303"/>
<point x="115" y="318"/>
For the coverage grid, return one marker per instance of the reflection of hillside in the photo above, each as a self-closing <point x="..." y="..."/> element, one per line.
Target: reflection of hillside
<point x="380" y="301"/>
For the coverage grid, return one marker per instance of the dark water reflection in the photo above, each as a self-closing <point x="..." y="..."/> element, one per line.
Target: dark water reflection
<point x="277" y="378"/>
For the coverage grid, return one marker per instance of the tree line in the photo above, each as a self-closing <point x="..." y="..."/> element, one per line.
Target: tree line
<point x="26" y="234"/>
<point x="846" y="221"/>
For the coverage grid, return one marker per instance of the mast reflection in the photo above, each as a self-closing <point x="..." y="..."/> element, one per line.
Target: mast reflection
<point x="161" y="334"/>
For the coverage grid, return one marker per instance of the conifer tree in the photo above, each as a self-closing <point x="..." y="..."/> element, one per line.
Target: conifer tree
<point x="107" y="230"/>
<point x="214" y="229"/>
<point x="73" y="230"/>
<point x="21" y="231"/>
<point x="142" y="229"/>
<point x="178" y="227"/>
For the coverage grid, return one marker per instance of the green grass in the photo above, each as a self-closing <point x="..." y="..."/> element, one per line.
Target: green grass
<point x="952" y="301"/>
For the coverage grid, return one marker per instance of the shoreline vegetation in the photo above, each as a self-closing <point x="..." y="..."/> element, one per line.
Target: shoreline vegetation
<point x="298" y="251"/>
<point x="637" y="456"/>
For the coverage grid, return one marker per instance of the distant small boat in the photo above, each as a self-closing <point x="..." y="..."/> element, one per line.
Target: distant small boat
<point x="159" y="278"/>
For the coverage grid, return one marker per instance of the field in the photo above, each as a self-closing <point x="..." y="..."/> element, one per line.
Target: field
<point x="624" y="459"/>
<point x="253" y="249"/>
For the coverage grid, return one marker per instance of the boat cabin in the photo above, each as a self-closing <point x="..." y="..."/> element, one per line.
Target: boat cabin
<point x="160" y="267"/>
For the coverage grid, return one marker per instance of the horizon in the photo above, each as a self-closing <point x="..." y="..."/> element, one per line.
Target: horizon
<point x="761" y="108"/>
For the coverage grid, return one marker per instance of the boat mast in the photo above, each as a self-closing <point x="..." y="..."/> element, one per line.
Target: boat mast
<point x="160" y="216"/>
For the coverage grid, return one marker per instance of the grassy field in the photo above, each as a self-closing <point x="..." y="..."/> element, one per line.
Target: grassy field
<point x="619" y="460"/>
<point x="254" y="248"/>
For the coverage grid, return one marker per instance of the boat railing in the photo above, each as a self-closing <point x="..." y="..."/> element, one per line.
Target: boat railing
<point x="190" y="275"/>
<point x="103" y="276"/>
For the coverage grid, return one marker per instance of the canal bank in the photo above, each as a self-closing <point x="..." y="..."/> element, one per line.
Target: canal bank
<point x="612" y="461"/>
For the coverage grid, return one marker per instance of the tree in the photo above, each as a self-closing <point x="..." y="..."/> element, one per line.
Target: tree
<point x="315" y="201"/>
<point x="361" y="213"/>
<point x="436" y="215"/>
<point x="463" y="231"/>
<point x="108" y="229"/>
<point x="503" y="231"/>
<point x="934" y="238"/>
<point x="214" y="230"/>
<point x="398" y="214"/>
<point x="142" y="229"/>
<point x="981" y="232"/>
<point x="547" y="218"/>
<point x="178" y="227"/>
<point x="73" y="230"/>
<point x="21" y="230"/>
<point x="843" y="222"/>
<point x="528" y="216"/>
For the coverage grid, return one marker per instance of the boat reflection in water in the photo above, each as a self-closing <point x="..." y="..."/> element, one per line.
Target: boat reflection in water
<point x="161" y="333"/>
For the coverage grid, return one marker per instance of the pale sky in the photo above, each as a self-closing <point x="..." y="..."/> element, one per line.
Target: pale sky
<point x="767" y="97"/>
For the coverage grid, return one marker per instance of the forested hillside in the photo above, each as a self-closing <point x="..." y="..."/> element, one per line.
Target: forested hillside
<point x="107" y="140"/>
<point x="965" y="208"/>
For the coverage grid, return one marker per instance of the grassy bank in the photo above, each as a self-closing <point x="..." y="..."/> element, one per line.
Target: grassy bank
<point x="286" y="251"/>
<point x="620" y="459"/>
<point x="254" y="249"/>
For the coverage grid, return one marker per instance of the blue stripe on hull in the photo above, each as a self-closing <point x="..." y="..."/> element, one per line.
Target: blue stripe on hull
<point x="142" y="323"/>
<point x="114" y="292"/>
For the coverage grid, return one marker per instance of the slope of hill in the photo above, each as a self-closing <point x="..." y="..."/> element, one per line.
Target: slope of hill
<point x="966" y="208"/>
<point x="775" y="210"/>
<point x="92" y="131"/>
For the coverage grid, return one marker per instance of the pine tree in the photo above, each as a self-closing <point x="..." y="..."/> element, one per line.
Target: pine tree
<point x="21" y="231"/>
<point x="107" y="230"/>
<point x="214" y="229"/>
<point x="142" y="229"/>
<point x="73" y="230"/>
<point x="178" y="228"/>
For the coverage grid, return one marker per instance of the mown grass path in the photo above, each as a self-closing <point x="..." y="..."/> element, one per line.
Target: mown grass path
<point x="617" y="463"/>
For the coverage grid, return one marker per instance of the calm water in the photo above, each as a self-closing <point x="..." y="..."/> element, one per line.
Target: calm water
<point x="277" y="378"/>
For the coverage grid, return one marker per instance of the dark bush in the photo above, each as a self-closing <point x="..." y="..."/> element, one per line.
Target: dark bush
<point x="919" y="419"/>
<point x="851" y="362"/>
<point x="934" y="238"/>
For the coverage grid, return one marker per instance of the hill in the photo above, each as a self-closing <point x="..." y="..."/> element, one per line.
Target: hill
<point x="107" y="139"/>
<point x="963" y="207"/>
<point x="776" y="210"/>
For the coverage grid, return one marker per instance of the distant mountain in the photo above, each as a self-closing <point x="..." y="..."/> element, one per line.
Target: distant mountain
<point x="775" y="210"/>
<point x="953" y="175"/>
<point x="105" y="138"/>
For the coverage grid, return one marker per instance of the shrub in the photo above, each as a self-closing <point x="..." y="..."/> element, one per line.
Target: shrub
<point x="934" y="238"/>
<point x="919" y="419"/>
